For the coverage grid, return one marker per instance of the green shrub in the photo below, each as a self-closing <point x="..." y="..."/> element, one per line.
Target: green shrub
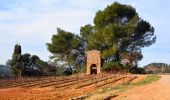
<point x="113" y="66"/>
<point x="137" y="70"/>
<point x="80" y="69"/>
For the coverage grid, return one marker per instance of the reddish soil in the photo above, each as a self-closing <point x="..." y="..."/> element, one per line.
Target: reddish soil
<point x="158" y="90"/>
<point x="48" y="93"/>
<point x="102" y="96"/>
<point x="42" y="93"/>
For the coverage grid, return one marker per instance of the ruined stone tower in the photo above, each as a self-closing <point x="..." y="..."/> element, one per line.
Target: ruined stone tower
<point x="93" y="62"/>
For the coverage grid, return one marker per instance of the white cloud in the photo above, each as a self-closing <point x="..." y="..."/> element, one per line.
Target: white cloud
<point x="34" y="28"/>
<point x="33" y="22"/>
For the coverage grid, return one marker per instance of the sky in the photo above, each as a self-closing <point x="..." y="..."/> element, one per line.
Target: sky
<point x="31" y="23"/>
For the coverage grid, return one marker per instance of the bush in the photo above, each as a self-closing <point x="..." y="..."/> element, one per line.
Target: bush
<point x="67" y="72"/>
<point x="113" y="66"/>
<point x="80" y="69"/>
<point x="137" y="70"/>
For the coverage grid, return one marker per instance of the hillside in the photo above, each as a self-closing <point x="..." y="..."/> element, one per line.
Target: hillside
<point x="5" y="71"/>
<point x="157" y="68"/>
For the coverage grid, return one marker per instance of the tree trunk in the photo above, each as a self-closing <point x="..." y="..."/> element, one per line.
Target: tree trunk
<point x="117" y="56"/>
<point x="19" y="75"/>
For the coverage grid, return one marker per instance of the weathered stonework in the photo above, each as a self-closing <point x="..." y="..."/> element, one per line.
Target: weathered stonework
<point x="93" y="62"/>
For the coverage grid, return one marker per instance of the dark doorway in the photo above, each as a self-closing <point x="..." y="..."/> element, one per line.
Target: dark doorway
<point x="93" y="69"/>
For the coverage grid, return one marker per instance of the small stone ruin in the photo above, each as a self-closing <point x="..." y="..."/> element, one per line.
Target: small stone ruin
<point x="93" y="62"/>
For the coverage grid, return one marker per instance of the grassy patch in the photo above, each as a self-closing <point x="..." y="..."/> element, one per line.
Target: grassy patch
<point x="147" y="80"/>
<point x="126" y="86"/>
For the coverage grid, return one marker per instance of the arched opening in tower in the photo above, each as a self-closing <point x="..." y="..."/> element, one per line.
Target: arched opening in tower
<point x="93" y="69"/>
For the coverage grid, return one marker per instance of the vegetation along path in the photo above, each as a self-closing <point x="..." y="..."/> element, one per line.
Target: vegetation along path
<point x="158" y="90"/>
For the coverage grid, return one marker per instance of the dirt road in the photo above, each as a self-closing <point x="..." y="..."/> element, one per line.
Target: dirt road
<point x="159" y="90"/>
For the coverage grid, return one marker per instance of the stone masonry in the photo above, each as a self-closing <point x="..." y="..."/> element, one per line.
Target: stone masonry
<point x="93" y="58"/>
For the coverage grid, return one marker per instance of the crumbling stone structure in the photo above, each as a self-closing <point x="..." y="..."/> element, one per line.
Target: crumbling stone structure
<point x="93" y="62"/>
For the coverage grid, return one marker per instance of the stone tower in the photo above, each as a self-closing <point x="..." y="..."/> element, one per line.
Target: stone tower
<point x="93" y="62"/>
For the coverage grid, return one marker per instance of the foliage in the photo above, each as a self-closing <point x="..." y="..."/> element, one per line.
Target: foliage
<point x="133" y="58"/>
<point x="157" y="68"/>
<point x="81" y="69"/>
<point x="113" y="66"/>
<point x="85" y="31"/>
<point x="68" y="71"/>
<point x="67" y="47"/>
<point x="158" y="65"/>
<point x="29" y="65"/>
<point x="63" y="43"/>
<point x="5" y="72"/>
<point x="16" y="60"/>
<point x="118" y="32"/>
<point x="137" y="70"/>
<point x="119" y="29"/>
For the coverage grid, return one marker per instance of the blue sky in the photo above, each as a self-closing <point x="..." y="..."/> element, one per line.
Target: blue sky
<point x="33" y="22"/>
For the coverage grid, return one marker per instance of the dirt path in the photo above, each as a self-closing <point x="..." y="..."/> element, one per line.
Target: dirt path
<point x="159" y="90"/>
